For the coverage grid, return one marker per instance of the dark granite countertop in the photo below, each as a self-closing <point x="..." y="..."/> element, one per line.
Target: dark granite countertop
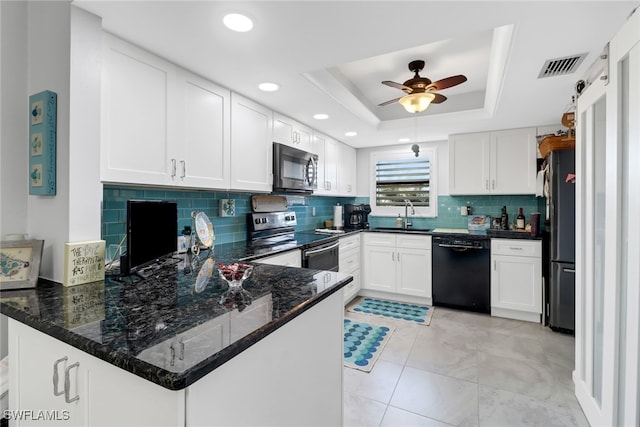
<point x="139" y="324"/>
<point x="453" y="232"/>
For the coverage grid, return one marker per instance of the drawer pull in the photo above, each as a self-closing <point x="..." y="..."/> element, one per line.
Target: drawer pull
<point x="67" y="383"/>
<point x="56" y="377"/>
<point x="515" y="248"/>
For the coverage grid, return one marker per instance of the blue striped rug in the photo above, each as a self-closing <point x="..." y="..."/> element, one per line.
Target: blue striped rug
<point x="363" y="343"/>
<point x="420" y="314"/>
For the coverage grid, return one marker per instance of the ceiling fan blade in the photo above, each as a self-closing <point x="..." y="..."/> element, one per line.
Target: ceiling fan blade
<point x="438" y="99"/>
<point x="397" y="85"/>
<point x="388" y="102"/>
<point x="446" y="83"/>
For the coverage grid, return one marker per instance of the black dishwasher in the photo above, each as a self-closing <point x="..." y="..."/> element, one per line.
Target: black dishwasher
<point x="462" y="272"/>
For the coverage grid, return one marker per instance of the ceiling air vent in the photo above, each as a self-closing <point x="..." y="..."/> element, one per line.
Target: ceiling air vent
<point x="561" y="66"/>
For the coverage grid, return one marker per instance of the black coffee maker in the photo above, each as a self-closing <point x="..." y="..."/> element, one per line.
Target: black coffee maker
<point x="356" y="217"/>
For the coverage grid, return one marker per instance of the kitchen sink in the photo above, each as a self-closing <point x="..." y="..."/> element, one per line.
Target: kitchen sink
<point x="410" y="230"/>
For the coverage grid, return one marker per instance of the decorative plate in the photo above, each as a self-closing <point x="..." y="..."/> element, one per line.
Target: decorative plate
<point x="204" y="275"/>
<point x="204" y="229"/>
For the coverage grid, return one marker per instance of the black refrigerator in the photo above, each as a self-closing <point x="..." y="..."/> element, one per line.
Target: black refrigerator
<point x="562" y="236"/>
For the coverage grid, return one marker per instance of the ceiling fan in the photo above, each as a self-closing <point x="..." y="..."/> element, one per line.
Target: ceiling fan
<point x="420" y="91"/>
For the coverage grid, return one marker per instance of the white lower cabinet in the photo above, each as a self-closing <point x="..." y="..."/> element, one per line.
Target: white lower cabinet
<point x="291" y="258"/>
<point x="349" y="263"/>
<point x="54" y="383"/>
<point x="516" y="279"/>
<point x="397" y="263"/>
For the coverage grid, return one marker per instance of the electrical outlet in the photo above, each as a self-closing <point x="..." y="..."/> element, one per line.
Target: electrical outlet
<point x="463" y="211"/>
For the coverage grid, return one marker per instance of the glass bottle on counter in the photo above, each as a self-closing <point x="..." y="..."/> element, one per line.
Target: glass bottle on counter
<point x="505" y="218"/>
<point x="399" y="221"/>
<point x="520" y="220"/>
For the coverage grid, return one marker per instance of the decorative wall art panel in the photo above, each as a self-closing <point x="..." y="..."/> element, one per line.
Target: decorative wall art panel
<point x="42" y="143"/>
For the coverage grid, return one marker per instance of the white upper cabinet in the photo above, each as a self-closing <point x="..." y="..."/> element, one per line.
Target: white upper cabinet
<point x="328" y="158"/>
<point x="161" y="125"/>
<point x="251" y="146"/>
<point x="289" y="132"/>
<point x="136" y="132"/>
<point x="346" y="170"/>
<point x="202" y="150"/>
<point x="500" y="162"/>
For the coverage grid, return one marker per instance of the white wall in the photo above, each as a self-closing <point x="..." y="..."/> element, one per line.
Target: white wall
<point x="48" y="69"/>
<point x="14" y="135"/>
<point x="64" y="51"/>
<point x="85" y="188"/>
<point x="14" y="105"/>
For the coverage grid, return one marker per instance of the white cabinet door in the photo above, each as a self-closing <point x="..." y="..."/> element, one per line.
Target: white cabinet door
<point x="94" y="387"/>
<point x="251" y="145"/>
<point x="414" y="272"/>
<point x="516" y="279"/>
<point x="349" y="263"/>
<point x="331" y="155"/>
<point x="289" y="132"/>
<point x="346" y="170"/>
<point x="202" y="150"/>
<point x="469" y="163"/>
<point x="138" y="88"/>
<point x="379" y="268"/>
<point x="513" y="153"/>
<point x="45" y="373"/>
<point x="287" y="259"/>
<point x="499" y="162"/>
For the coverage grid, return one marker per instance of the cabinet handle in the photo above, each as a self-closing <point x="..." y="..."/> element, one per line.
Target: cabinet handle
<point x="495" y="266"/>
<point x="184" y="169"/>
<point x="173" y="168"/>
<point x="515" y="248"/>
<point x="67" y="383"/>
<point x="569" y="270"/>
<point x="393" y="256"/>
<point x="493" y="184"/>
<point x="486" y="184"/>
<point x="398" y="256"/>
<point x="181" y="350"/>
<point x="173" y="355"/>
<point x="56" y="378"/>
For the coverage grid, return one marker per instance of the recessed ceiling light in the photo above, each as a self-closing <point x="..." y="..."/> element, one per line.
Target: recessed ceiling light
<point x="238" y="22"/>
<point x="268" y="86"/>
<point x="350" y="133"/>
<point x="404" y="140"/>
<point x="321" y="116"/>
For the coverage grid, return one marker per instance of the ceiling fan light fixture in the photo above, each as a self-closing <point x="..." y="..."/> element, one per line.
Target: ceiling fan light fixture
<point x="417" y="102"/>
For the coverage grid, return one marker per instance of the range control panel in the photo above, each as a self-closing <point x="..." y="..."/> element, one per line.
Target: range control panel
<point x="272" y="220"/>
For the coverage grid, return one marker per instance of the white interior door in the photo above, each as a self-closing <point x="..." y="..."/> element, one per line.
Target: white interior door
<point x="608" y="237"/>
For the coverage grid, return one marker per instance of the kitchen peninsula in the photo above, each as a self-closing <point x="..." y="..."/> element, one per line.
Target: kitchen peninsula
<point x="178" y="348"/>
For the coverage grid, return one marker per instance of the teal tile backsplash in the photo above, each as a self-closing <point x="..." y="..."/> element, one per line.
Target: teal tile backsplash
<point x="227" y="229"/>
<point x="233" y="229"/>
<point x="449" y="210"/>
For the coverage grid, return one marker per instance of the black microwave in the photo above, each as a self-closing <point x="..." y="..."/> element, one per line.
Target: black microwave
<point x="294" y="170"/>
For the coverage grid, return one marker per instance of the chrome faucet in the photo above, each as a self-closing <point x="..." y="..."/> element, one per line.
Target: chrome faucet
<point x="408" y="203"/>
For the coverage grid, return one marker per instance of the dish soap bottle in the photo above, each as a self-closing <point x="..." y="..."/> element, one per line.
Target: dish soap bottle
<point x="399" y="222"/>
<point x="505" y="218"/>
<point x="520" y="220"/>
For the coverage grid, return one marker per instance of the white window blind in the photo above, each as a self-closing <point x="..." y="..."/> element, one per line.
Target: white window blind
<point x="400" y="179"/>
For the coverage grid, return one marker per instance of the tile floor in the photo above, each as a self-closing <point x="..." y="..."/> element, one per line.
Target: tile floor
<point x="465" y="369"/>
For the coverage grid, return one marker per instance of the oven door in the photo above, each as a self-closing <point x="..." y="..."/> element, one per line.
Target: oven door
<point x="322" y="257"/>
<point x="294" y="170"/>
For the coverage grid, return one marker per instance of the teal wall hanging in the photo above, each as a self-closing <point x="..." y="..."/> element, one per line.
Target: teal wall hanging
<point x="42" y="143"/>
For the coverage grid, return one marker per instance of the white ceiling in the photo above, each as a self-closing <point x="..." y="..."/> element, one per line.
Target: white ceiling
<point x="330" y="57"/>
